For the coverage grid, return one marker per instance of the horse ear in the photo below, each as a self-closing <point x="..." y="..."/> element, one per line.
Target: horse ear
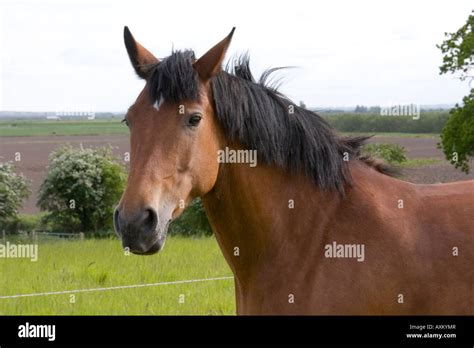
<point x="210" y="63"/>
<point x="140" y="57"/>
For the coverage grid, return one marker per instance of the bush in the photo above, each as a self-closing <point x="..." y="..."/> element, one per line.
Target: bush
<point x="81" y="189"/>
<point x="429" y="122"/>
<point x="26" y="223"/>
<point x="192" y="222"/>
<point x="13" y="190"/>
<point x="391" y="153"/>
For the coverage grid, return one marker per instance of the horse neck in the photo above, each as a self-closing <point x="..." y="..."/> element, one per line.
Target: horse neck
<point x="265" y="216"/>
<point x="260" y="214"/>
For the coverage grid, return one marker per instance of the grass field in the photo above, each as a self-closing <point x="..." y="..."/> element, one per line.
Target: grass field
<point x="72" y="265"/>
<point x="420" y="162"/>
<point x="12" y="128"/>
<point x="393" y="134"/>
<point x="62" y="127"/>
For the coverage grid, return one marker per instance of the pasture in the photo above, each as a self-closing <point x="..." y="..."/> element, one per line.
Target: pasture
<point x="71" y="265"/>
<point x="23" y="128"/>
<point x="34" y="140"/>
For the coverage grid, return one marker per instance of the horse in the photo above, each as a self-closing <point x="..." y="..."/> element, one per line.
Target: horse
<point x="314" y="227"/>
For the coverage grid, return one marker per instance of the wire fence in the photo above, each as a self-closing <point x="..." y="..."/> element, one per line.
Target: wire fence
<point x="34" y="236"/>
<point x="119" y="287"/>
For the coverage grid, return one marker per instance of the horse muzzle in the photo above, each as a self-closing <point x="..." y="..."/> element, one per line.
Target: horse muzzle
<point x="142" y="233"/>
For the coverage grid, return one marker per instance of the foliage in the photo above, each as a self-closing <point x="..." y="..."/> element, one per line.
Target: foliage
<point x="458" y="50"/>
<point x="193" y="221"/>
<point x="458" y="134"/>
<point x="457" y="138"/>
<point x="26" y="223"/>
<point x="81" y="189"/>
<point x="391" y="153"/>
<point x="13" y="190"/>
<point x="429" y="122"/>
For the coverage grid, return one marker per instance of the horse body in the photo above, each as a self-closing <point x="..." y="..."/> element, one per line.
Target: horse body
<point x="290" y="226"/>
<point x="281" y="268"/>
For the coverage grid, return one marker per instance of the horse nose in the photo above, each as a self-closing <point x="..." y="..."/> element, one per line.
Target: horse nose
<point x="136" y="230"/>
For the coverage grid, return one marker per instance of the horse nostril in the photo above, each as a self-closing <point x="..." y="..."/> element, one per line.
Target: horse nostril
<point x="151" y="219"/>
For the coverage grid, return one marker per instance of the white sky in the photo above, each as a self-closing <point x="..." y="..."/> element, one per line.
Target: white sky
<point x="71" y="53"/>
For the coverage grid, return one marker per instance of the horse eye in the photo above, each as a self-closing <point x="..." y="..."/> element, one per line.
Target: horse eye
<point x="194" y="120"/>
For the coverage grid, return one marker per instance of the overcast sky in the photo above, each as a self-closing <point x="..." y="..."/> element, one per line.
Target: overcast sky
<point x="60" y="54"/>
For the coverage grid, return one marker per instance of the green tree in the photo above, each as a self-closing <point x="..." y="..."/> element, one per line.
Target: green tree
<point x="457" y="138"/>
<point x="81" y="189"/>
<point x="13" y="190"/>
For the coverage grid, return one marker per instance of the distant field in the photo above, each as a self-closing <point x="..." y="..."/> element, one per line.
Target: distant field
<point x="53" y="127"/>
<point x="393" y="134"/>
<point x="72" y="265"/>
<point x="115" y="127"/>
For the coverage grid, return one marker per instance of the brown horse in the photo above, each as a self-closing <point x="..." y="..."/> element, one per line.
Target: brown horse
<point x="311" y="227"/>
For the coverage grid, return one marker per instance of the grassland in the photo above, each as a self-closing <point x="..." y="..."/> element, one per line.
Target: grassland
<point x="61" y="127"/>
<point x="393" y="134"/>
<point x="10" y="128"/>
<point x="420" y="162"/>
<point x="70" y="265"/>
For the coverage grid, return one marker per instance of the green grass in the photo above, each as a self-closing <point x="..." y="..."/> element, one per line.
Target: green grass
<point x="420" y="162"/>
<point x="12" y="128"/>
<point x="69" y="265"/>
<point x="62" y="127"/>
<point x="394" y="134"/>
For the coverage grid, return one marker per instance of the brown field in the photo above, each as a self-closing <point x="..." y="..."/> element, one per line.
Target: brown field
<point x="35" y="151"/>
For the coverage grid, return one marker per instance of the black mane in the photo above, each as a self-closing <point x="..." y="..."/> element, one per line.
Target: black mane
<point x="259" y="117"/>
<point x="174" y="78"/>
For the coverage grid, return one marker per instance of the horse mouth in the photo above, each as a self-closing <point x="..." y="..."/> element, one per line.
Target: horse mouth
<point x="157" y="244"/>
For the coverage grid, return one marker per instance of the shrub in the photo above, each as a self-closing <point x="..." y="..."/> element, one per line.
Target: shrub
<point x="391" y="153"/>
<point x="81" y="189"/>
<point x="192" y="222"/>
<point x="13" y="190"/>
<point x="26" y="223"/>
<point x="429" y="122"/>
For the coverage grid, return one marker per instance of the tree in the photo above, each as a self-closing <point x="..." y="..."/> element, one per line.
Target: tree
<point x="360" y="109"/>
<point x="458" y="134"/>
<point x="457" y="138"/>
<point x="13" y="190"/>
<point x="81" y="189"/>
